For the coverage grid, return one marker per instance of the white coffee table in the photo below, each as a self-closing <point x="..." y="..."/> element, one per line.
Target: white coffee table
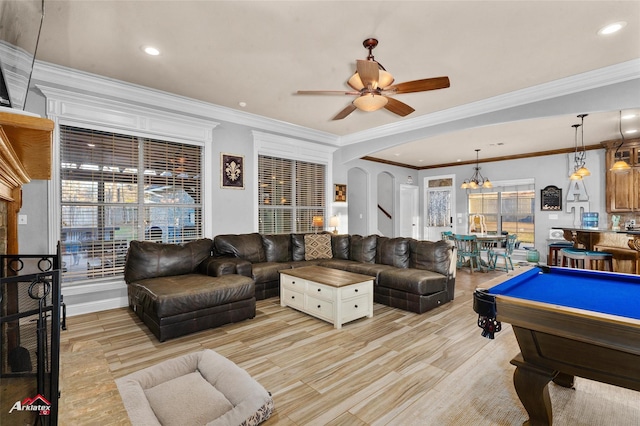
<point x="332" y="295"/>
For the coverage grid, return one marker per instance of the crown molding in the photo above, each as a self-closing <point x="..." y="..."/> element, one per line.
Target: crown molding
<point x="107" y="88"/>
<point x="602" y="77"/>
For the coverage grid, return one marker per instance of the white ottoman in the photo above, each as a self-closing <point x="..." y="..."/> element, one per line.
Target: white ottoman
<point x="202" y="388"/>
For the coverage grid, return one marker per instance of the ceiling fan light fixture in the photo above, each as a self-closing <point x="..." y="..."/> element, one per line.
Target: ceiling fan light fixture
<point x="355" y="82"/>
<point x="370" y="102"/>
<point x="384" y="79"/>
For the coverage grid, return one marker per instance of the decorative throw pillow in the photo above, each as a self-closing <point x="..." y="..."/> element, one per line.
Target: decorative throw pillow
<point x="317" y="246"/>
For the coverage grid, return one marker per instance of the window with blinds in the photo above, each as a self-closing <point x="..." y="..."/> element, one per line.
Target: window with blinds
<point x="508" y="207"/>
<point x="290" y="194"/>
<point x="117" y="188"/>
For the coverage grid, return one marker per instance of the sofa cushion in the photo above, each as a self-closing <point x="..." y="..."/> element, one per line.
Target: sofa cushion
<point x="416" y="281"/>
<point x="317" y="246"/>
<point x="363" y="249"/>
<point x="147" y="259"/>
<point x="267" y="271"/>
<point x="245" y="246"/>
<point x="340" y="246"/>
<point x="174" y="295"/>
<point x="297" y="247"/>
<point x="393" y="251"/>
<point x="277" y="247"/>
<point x="431" y="255"/>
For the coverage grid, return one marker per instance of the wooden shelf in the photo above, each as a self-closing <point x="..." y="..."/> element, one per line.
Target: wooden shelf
<point x="31" y="139"/>
<point x="25" y="154"/>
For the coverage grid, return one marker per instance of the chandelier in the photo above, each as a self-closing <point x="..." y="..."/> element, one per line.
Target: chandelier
<point x="476" y="180"/>
<point x="620" y="165"/>
<point x="579" y="169"/>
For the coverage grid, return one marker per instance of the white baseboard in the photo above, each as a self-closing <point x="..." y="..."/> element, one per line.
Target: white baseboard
<point x="95" y="306"/>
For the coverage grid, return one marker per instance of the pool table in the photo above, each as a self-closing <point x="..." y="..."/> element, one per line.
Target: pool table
<point x="568" y="322"/>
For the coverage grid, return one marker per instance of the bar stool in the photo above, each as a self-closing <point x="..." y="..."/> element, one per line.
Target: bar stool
<point x="553" y="259"/>
<point x="581" y="259"/>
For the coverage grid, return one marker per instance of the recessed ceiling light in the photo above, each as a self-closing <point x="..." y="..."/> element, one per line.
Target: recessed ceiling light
<point x="612" y="28"/>
<point x="150" y="50"/>
<point x="242" y="104"/>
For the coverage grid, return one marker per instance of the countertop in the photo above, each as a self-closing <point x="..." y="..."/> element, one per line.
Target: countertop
<point x="635" y="231"/>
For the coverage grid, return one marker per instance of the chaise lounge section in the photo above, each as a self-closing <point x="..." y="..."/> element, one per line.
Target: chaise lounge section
<point x="171" y="291"/>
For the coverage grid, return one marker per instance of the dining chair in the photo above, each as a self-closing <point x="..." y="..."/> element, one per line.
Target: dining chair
<point x="504" y="253"/>
<point x="468" y="253"/>
<point x="446" y="235"/>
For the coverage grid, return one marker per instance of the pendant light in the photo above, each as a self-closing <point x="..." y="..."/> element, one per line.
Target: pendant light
<point x="620" y="165"/>
<point x="579" y="169"/>
<point x="476" y="180"/>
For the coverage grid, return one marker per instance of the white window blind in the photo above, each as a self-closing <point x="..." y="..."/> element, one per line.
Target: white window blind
<point x="111" y="184"/>
<point x="290" y="194"/>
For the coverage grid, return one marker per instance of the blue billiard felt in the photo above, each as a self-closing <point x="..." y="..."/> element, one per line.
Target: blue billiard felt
<point x="608" y="293"/>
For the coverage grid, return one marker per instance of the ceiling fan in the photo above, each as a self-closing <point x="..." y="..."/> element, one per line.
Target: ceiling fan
<point x="372" y="85"/>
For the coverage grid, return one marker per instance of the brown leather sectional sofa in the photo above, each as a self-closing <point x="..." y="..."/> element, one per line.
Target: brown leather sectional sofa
<point x="179" y="289"/>
<point x="174" y="296"/>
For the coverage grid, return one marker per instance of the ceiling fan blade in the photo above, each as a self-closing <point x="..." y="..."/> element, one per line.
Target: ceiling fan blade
<point x="397" y="107"/>
<point x="327" y="92"/>
<point x="368" y="72"/>
<point x="419" y="85"/>
<point x="342" y="114"/>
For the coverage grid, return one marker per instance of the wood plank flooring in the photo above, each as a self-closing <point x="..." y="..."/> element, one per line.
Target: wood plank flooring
<point x="374" y="371"/>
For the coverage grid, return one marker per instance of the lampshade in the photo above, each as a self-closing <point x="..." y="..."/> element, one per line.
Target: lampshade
<point x="620" y="166"/>
<point x="575" y="176"/>
<point x="384" y="80"/>
<point x="370" y="102"/>
<point x="317" y="221"/>
<point x="583" y="171"/>
<point x="334" y="221"/>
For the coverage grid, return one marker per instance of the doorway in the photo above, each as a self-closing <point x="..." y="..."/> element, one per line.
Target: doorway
<point x="439" y="208"/>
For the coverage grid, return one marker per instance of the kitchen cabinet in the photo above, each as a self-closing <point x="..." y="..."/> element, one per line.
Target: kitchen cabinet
<point x="623" y="188"/>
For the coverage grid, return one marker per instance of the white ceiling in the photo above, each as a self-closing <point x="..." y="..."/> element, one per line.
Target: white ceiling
<point x="262" y="52"/>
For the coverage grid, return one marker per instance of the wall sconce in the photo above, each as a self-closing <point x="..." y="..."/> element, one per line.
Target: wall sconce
<point x="334" y="222"/>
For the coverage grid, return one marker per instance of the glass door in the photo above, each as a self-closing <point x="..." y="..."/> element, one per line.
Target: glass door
<point x="439" y="210"/>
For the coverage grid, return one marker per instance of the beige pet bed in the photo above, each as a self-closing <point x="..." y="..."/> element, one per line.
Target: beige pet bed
<point x="202" y="388"/>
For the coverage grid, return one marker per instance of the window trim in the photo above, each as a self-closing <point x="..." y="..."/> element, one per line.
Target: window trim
<point x="66" y="107"/>
<point x="271" y="145"/>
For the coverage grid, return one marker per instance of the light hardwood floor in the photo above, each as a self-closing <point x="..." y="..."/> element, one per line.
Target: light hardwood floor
<point x="373" y="371"/>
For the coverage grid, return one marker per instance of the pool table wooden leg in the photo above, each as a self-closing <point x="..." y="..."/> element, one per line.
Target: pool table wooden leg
<point x="531" y="384"/>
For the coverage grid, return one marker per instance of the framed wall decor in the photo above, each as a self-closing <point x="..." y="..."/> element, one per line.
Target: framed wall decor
<point x="231" y="171"/>
<point x="551" y="198"/>
<point x="340" y="192"/>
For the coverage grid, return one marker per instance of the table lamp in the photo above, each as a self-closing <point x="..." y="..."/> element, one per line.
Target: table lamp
<point x="334" y="222"/>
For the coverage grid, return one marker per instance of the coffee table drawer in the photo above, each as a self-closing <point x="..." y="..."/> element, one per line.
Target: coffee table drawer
<point x="356" y="290"/>
<point x="293" y="283"/>
<point x="320" y="291"/>
<point x="292" y="298"/>
<point x="356" y="307"/>
<point x="320" y="308"/>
